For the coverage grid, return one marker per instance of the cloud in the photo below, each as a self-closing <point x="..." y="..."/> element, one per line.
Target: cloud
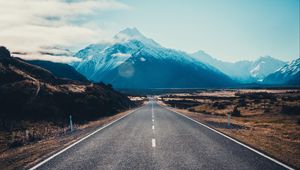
<point x="47" y="57"/>
<point x="121" y="55"/>
<point x="35" y="27"/>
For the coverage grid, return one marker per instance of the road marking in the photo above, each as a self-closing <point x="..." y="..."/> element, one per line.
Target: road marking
<point x="240" y="143"/>
<point x="152" y="110"/>
<point x="152" y="120"/>
<point x="82" y="139"/>
<point x="153" y="127"/>
<point x="153" y="143"/>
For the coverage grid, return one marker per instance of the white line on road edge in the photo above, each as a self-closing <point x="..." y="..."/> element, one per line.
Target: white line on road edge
<point x="153" y="143"/>
<point x="152" y="127"/>
<point x="89" y="135"/>
<point x="246" y="146"/>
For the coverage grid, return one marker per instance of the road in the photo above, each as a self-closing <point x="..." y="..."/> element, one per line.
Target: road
<point x="153" y="137"/>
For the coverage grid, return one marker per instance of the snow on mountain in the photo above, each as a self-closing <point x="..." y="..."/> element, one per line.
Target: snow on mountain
<point x="238" y="71"/>
<point x="135" y="61"/>
<point x="291" y="69"/>
<point x="288" y="74"/>
<point x="263" y="66"/>
<point x="91" y="50"/>
<point x="134" y="34"/>
<point x="243" y="71"/>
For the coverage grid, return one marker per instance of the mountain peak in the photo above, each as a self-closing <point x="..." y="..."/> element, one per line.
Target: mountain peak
<point x="134" y="34"/>
<point x="131" y="32"/>
<point x="203" y="56"/>
<point x="200" y="52"/>
<point x="270" y="59"/>
<point x="266" y="57"/>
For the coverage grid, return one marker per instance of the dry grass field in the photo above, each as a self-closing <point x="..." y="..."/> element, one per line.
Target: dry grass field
<point x="268" y="120"/>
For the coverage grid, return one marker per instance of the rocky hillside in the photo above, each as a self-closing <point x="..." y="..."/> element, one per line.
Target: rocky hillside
<point x="28" y="92"/>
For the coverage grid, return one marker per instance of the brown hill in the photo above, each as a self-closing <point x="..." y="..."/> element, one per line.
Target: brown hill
<point x="29" y="92"/>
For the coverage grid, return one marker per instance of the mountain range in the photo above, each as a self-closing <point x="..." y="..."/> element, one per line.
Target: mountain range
<point x="288" y="74"/>
<point x="135" y="61"/>
<point x="243" y="71"/>
<point x="131" y="60"/>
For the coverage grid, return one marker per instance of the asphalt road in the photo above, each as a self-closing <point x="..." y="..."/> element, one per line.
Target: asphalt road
<point x="155" y="138"/>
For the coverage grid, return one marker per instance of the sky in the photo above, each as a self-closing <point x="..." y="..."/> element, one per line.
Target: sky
<point x="229" y="30"/>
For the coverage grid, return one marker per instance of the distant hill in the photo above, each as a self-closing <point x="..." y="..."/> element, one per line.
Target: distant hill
<point x="288" y="74"/>
<point x="59" y="69"/>
<point x="29" y="92"/>
<point x="138" y="62"/>
<point x="243" y="71"/>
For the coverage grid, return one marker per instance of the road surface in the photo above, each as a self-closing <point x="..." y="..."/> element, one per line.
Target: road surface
<point x="153" y="137"/>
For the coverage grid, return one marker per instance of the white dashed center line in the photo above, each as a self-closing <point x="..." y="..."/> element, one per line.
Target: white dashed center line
<point x="152" y="111"/>
<point x="153" y="143"/>
<point x="153" y="139"/>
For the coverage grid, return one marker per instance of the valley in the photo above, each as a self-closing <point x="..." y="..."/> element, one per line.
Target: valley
<point x="156" y="85"/>
<point x="38" y="98"/>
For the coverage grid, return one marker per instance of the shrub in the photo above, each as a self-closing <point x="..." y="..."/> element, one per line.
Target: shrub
<point x="290" y="110"/>
<point x="206" y="112"/>
<point x="267" y="110"/>
<point x="256" y="101"/>
<point x="15" y="143"/>
<point x="219" y="105"/>
<point x="242" y="102"/>
<point x="257" y="95"/>
<point x="236" y="112"/>
<point x="34" y="137"/>
<point x="191" y="109"/>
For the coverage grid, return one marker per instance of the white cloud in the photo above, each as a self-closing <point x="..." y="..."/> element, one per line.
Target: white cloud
<point x="121" y="55"/>
<point x="37" y="56"/>
<point x="34" y="26"/>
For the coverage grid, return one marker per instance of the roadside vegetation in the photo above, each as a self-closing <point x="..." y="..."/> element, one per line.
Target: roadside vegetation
<point x="268" y="120"/>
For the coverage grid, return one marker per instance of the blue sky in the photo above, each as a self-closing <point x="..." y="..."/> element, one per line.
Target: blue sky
<point x="229" y="30"/>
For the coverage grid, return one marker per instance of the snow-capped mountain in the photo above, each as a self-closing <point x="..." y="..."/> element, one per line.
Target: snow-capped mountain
<point x="135" y="61"/>
<point x="238" y="71"/>
<point x="288" y="74"/>
<point x="243" y="71"/>
<point x="263" y="66"/>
